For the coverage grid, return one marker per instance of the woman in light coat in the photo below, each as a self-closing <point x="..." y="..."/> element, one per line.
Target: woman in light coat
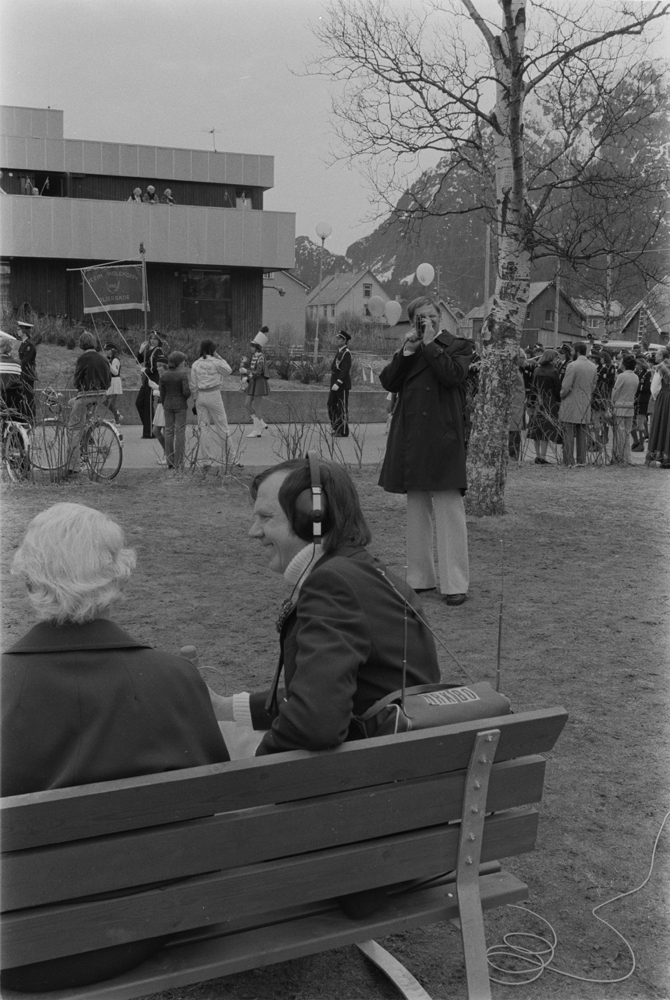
<point x="206" y="384"/>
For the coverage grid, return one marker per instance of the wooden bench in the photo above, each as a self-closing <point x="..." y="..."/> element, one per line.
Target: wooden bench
<point x="262" y="846"/>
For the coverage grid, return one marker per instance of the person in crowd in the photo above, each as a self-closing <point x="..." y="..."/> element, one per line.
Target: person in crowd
<point x="158" y="427"/>
<point x="340" y="384"/>
<point x="517" y="411"/>
<point x="257" y="387"/>
<point x="115" y="390"/>
<point x="575" y="409"/>
<point x="601" y="401"/>
<point x="640" y="430"/>
<point x="658" y="445"/>
<point x="150" y="195"/>
<point x="564" y="359"/>
<point x="166" y="197"/>
<point x="28" y="361"/>
<point x="92" y="378"/>
<point x="136" y="195"/>
<point x="545" y="396"/>
<point x="11" y="379"/>
<point x="425" y="453"/>
<point x="174" y="393"/>
<point x="623" y="409"/>
<point x="348" y="625"/>
<point x="151" y="356"/>
<point x="206" y="384"/>
<point x="83" y="701"/>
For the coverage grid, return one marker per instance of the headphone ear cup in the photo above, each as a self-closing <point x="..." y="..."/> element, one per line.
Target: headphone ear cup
<point x="302" y="521"/>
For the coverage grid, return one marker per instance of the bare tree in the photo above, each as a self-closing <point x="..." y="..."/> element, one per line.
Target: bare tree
<point x="420" y="84"/>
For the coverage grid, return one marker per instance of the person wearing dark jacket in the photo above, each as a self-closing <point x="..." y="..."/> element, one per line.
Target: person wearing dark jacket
<point x="92" y="376"/>
<point x="174" y="393"/>
<point x="151" y="355"/>
<point x="28" y="361"/>
<point x="340" y="384"/>
<point x="425" y="454"/>
<point x="343" y="631"/>
<point x="83" y="701"/>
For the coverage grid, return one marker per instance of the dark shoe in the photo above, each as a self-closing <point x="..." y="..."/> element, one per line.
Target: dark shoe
<point x="422" y="590"/>
<point x="637" y="447"/>
<point x="453" y="600"/>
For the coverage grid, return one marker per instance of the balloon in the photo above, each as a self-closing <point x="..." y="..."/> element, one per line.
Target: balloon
<point x="425" y="273"/>
<point x="376" y="305"/>
<point x="392" y="311"/>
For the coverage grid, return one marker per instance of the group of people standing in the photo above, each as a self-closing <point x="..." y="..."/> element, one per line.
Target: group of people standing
<point x="150" y="196"/>
<point x="573" y="399"/>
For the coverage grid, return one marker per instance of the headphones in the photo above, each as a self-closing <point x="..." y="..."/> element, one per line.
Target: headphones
<point x="310" y="511"/>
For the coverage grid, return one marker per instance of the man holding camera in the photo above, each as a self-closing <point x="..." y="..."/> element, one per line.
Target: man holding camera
<point x="425" y="454"/>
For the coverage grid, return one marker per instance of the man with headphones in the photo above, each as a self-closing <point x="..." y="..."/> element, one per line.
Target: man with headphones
<point x="348" y="625"/>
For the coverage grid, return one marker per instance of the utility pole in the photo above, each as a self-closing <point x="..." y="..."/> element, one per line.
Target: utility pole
<point x="557" y="300"/>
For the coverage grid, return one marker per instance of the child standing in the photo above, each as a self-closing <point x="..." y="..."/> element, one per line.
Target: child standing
<point x="175" y="391"/>
<point x="115" y="390"/>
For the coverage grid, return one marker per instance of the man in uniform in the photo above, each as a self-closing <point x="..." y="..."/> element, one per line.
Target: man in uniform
<point x="340" y="384"/>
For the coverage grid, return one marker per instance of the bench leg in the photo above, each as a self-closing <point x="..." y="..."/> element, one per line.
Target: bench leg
<point x="467" y="869"/>
<point x="403" y="980"/>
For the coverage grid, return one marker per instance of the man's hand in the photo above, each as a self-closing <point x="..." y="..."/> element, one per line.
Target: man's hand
<point x="223" y="707"/>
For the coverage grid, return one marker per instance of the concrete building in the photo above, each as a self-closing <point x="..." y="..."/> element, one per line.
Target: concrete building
<point x="67" y="203"/>
<point x="284" y="303"/>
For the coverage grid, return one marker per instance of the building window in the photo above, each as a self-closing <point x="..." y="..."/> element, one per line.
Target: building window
<point x="528" y="313"/>
<point x="332" y="312"/>
<point x="367" y="291"/>
<point x="594" y="321"/>
<point x="549" y="315"/>
<point x="206" y="300"/>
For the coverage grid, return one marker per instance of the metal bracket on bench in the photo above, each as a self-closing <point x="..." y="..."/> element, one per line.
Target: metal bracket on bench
<point x="467" y="868"/>
<point x="401" y="978"/>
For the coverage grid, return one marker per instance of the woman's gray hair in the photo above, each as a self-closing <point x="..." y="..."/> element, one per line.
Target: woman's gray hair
<point x="74" y="563"/>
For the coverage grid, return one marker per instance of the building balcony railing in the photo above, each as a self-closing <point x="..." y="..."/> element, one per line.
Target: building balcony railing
<point x="82" y="229"/>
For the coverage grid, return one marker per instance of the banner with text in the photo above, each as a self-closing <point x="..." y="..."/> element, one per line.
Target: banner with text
<point x="109" y="288"/>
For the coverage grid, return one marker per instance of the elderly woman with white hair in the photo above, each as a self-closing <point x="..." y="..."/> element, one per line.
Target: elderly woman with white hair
<point x="83" y="701"/>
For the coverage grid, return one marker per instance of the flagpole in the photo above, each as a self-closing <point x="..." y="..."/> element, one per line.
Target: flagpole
<point x="146" y="331"/>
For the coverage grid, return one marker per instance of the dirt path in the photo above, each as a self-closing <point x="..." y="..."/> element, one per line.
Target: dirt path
<point x="587" y="607"/>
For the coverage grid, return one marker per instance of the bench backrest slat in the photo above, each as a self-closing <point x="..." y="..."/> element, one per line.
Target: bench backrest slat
<point x="48" y="932"/>
<point x="94" y="810"/>
<point x="231" y="840"/>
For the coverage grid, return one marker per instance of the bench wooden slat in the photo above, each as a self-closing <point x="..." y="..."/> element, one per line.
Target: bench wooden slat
<point x="47" y="875"/>
<point x="48" y="932"/>
<point x="182" y="964"/>
<point x="70" y="814"/>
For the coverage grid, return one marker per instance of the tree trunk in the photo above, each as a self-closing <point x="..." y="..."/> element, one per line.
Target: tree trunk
<point x="501" y="331"/>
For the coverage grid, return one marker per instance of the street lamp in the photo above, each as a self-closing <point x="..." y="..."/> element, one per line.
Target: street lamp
<point x="323" y="231"/>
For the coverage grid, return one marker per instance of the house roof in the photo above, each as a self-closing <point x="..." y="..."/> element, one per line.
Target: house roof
<point x="594" y="307"/>
<point x="335" y="286"/>
<point x="536" y="288"/>
<point x="656" y="303"/>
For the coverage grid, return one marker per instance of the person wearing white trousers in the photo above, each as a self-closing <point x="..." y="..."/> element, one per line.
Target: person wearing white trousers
<point x="441" y="515"/>
<point x="425" y="454"/>
<point x="206" y="384"/>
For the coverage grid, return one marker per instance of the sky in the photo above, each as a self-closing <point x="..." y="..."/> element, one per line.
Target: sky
<point x="164" y="72"/>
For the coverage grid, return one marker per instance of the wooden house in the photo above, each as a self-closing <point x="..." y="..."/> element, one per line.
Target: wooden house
<point x="342" y="293"/>
<point x="68" y="203"/>
<point x="539" y="322"/>
<point x="649" y="318"/>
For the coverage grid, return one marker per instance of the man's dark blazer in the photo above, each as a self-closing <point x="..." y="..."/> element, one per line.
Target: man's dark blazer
<point x="343" y="650"/>
<point x="84" y="703"/>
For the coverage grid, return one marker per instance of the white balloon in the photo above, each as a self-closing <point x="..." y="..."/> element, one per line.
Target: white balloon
<point x="393" y="312"/>
<point x="425" y="273"/>
<point x="376" y="305"/>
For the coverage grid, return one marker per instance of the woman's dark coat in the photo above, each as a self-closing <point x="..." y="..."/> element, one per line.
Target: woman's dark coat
<point x="426" y="442"/>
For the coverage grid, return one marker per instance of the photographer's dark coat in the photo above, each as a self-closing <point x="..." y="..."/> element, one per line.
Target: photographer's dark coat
<point x="343" y="648"/>
<point x="426" y="441"/>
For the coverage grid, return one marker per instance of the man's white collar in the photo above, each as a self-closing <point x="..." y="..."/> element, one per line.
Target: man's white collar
<point x="302" y="564"/>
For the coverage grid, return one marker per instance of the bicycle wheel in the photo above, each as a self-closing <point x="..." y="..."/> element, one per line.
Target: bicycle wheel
<point x="15" y="453"/>
<point x="49" y="445"/>
<point x="101" y="450"/>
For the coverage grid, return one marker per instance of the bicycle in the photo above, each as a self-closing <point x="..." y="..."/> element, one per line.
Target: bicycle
<point x="100" y="446"/>
<point x="15" y="462"/>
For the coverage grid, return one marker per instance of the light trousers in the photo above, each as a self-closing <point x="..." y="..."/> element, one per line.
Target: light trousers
<point x="621" y="453"/>
<point x="443" y="510"/>
<point x="213" y="426"/>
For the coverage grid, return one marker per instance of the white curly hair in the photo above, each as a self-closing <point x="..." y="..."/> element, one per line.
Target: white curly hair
<point x="74" y="563"/>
